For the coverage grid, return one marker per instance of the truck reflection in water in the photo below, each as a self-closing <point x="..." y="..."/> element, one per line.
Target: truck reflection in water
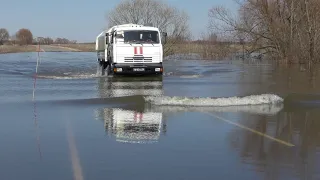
<point x="133" y="126"/>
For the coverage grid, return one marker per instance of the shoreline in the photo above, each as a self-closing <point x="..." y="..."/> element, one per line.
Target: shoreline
<point x="6" y="49"/>
<point x="9" y="49"/>
<point x="206" y="51"/>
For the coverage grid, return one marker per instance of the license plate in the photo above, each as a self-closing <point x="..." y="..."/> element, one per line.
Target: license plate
<point x="138" y="69"/>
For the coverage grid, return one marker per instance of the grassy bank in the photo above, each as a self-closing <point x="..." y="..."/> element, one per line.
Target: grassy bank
<point x="82" y="47"/>
<point x="210" y="51"/>
<point x="207" y="51"/>
<point x="17" y="49"/>
<point x="4" y="49"/>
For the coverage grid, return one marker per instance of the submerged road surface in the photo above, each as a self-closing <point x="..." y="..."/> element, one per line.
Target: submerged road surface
<point x="202" y="120"/>
<point x="56" y="48"/>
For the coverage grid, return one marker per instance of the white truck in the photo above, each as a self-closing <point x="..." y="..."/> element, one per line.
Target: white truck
<point x="130" y="49"/>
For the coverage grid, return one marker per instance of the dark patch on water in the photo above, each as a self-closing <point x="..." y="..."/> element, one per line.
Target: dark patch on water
<point x="301" y="102"/>
<point x="137" y="100"/>
<point x="302" y="98"/>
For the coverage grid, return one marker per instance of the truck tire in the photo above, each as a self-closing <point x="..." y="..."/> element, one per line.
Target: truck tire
<point x="108" y="66"/>
<point x="100" y="68"/>
<point x="108" y="70"/>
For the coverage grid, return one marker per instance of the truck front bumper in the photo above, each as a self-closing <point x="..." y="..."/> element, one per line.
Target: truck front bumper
<point x="138" y="69"/>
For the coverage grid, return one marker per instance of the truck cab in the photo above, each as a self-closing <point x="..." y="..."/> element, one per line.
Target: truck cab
<point x="130" y="49"/>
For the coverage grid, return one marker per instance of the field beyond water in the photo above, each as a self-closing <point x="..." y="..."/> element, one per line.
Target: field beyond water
<point x="226" y="119"/>
<point x="206" y="51"/>
<point x="4" y="49"/>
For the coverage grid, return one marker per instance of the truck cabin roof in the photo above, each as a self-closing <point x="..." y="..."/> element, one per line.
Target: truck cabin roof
<point x="136" y="28"/>
<point x="127" y="28"/>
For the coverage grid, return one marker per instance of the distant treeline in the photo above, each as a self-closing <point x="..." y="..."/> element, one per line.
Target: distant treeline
<point x="217" y="42"/>
<point x="285" y="30"/>
<point x="25" y="37"/>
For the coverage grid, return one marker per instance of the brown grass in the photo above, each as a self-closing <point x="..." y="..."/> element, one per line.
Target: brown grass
<point x="16" y="49"/>
<point x="207" y="51"/>
<point x="83" y="47"/>
<point x="211" y="51"/>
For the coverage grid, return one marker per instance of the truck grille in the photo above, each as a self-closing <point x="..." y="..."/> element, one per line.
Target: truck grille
<point x="138" y="59"/>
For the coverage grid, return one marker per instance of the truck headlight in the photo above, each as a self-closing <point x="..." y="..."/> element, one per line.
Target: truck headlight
<point x="117" y="69"/>
<point x="157" y="69"/>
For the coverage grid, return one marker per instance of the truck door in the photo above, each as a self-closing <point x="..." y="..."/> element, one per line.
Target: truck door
<point x="111" y="47"/>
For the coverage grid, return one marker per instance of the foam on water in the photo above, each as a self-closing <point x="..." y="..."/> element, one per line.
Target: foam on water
<point x="261" y="109"/>
<point x="190" y="76"/>
<point x="68" y="76"/>
<point x="224" y="101"/>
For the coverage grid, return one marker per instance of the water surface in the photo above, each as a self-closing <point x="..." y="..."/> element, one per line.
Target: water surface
<point x="202" y="120"/>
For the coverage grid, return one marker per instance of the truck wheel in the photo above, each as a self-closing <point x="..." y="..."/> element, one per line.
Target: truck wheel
<point x="100" y="68"/>
<point x="108" y="69"/>
<point x="102" y="71"/>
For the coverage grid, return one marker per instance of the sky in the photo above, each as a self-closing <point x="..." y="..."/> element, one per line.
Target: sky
<point x="83" y="20"/>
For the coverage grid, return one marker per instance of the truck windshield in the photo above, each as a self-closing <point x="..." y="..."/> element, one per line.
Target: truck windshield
<point x="141" y="37"/>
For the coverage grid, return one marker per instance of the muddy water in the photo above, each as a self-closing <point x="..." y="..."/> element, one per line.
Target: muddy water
<point x="202" y="120"/>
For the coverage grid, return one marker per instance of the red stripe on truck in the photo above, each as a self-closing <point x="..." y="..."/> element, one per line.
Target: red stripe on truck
<point x="135" y="50"/>
<point x="141" y="50"/>
<point x="138" y="117"/>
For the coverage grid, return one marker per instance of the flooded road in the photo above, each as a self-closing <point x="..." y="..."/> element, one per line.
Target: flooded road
<point x="202" y="120"/>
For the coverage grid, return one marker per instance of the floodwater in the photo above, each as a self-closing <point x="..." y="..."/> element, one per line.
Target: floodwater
<point x="202" y="120"/>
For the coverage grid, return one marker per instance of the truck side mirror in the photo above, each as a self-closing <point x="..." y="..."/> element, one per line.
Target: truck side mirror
<point x="164" y="37"/>
<point x="107" y="38"/>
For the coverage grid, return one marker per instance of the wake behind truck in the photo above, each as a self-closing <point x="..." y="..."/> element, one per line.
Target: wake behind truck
<point x="130" y="49"/>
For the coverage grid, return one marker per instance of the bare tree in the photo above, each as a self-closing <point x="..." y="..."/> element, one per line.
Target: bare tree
<point x="45" y="40"/>
<point x="151" y="12"/>
<point x="62" y="41"/>
<point x="13" y="39"/>
<point x="287" y="30"/>
<point x="24" y="36"/>
<point x="4" y="35"/>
